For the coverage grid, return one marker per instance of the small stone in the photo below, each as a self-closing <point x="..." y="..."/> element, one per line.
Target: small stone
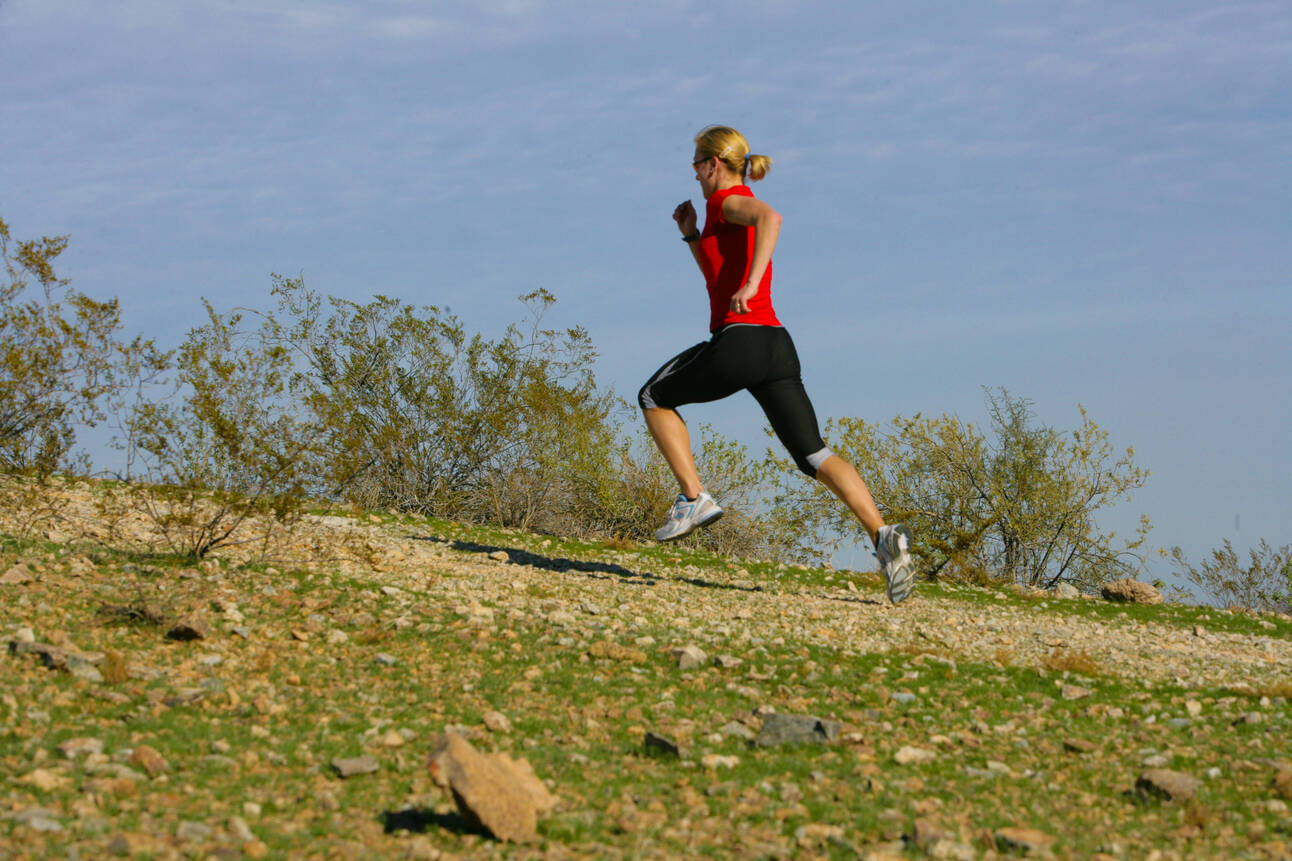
<point x="1074" y="692"/>
<point x="914" y="755"/>
<point x="188" y="630"/>
<point x="192" y="832"/>
<point x="18" y="575"/>
<point x="736" y="729"/>
<point x="1193" y="707"/>
<point x="817" y="833"/>
<point x="255" y="849"/>
<point x="44" y="780"/>
<point x="926" y="832"/>
<point x="951" y="850"/>
<point x="392" y="739"/>
<point x="500" y="556"/>
<point x="24" y="635"/>
<point x="385" y="660"/>
<point x="1067" y="592"/>
<point x="1283" y="783"/>
<point x="497" y="722"/>
<point x="337" y="637"/>
<point x="1079" y="745"/>
<point x="904" y="697"/>
<point x="781" y="729"/>
<point x="1165" y="784"/>
<point x="715" y="761"/>
<point x="1029" y="841"/>
<point x="1250" y="719"/>
<point x="240" y="830"/>
<point x="149" y="760"/>
<point x="39" y="819"/>
<point x="74" y="747"/>
<point x="347" y="767"/>
<point x="1128" y="591"/>
<point x="129" y="845"/>
<point x="85" y="672"/>
<point x="660" y="746"/>
<point x="689" y="657"/>
<point x="727" y="662"/>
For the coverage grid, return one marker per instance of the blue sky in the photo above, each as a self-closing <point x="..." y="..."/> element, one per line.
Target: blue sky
<point x="1085" y="202"/>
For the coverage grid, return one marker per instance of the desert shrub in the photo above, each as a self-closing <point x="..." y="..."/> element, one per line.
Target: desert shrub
<point x="61" y="355"/>
<point x="220" y="453"/>
<point x="1016" y="504"/>
<point x="628" y="497"/>
<point x="1264" y="583"/>
<point x="417" y="414"/>
<point x="740" y="483"/>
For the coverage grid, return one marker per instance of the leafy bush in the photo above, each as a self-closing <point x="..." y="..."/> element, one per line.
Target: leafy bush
<point x="1265" y="583"/>
<point x="1018" y="505"/>
<point x="60" y="356"/>
<point x="629" y="496"/>
<point x="416" y="414"/>
<point x="226" y="446"/>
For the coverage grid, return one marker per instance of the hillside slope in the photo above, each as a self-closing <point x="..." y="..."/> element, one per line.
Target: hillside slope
<point x="973" y="723"/>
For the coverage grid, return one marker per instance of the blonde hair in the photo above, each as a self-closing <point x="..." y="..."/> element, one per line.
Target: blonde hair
<point x="732" y="149"/>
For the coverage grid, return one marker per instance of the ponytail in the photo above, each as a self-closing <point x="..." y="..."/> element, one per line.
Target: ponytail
<point x="758" y="165"/>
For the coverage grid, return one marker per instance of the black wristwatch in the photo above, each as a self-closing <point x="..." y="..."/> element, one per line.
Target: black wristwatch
<point x="692" y="236"/>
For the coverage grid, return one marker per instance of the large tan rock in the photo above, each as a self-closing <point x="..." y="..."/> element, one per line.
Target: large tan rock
<point x="1130" y="591"/>
<point x="502" y="795"/>
<point x="1283" y="783"/>
<point x="1166" y="784"/>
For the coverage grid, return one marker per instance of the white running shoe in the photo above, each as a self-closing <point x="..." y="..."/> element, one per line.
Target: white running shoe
<point x="688" y="515"/>
<point x="893" y="550"/>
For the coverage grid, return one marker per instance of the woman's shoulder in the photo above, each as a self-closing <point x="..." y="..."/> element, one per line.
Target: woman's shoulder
<point x="715" y="201"/>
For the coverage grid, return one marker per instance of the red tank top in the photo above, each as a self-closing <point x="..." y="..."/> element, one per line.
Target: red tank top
<point x="725" y="252"/>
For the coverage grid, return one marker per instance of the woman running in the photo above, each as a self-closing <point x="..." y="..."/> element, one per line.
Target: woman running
<point x="749" y="349"/>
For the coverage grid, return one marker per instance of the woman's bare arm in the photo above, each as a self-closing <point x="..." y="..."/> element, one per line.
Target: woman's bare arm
<point x="752" y="212"/>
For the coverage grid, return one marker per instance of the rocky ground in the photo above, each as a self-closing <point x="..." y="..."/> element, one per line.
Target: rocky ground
<point x="280" y="700"/>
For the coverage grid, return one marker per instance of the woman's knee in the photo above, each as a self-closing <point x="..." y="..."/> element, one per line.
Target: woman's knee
<point x="810" y="464"/>
<point x="645" y="399"/>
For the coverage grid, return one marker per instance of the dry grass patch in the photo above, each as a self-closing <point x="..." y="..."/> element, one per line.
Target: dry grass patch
<point x="1070" y="660"/>
<point x="115" y="668"/>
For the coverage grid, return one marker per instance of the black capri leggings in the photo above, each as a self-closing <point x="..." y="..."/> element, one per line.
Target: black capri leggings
<point x="739" y="356"/>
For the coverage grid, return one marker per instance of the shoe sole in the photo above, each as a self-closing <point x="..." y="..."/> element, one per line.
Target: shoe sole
<point x="713" y="518"/>
<point x="905" y="576"/>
